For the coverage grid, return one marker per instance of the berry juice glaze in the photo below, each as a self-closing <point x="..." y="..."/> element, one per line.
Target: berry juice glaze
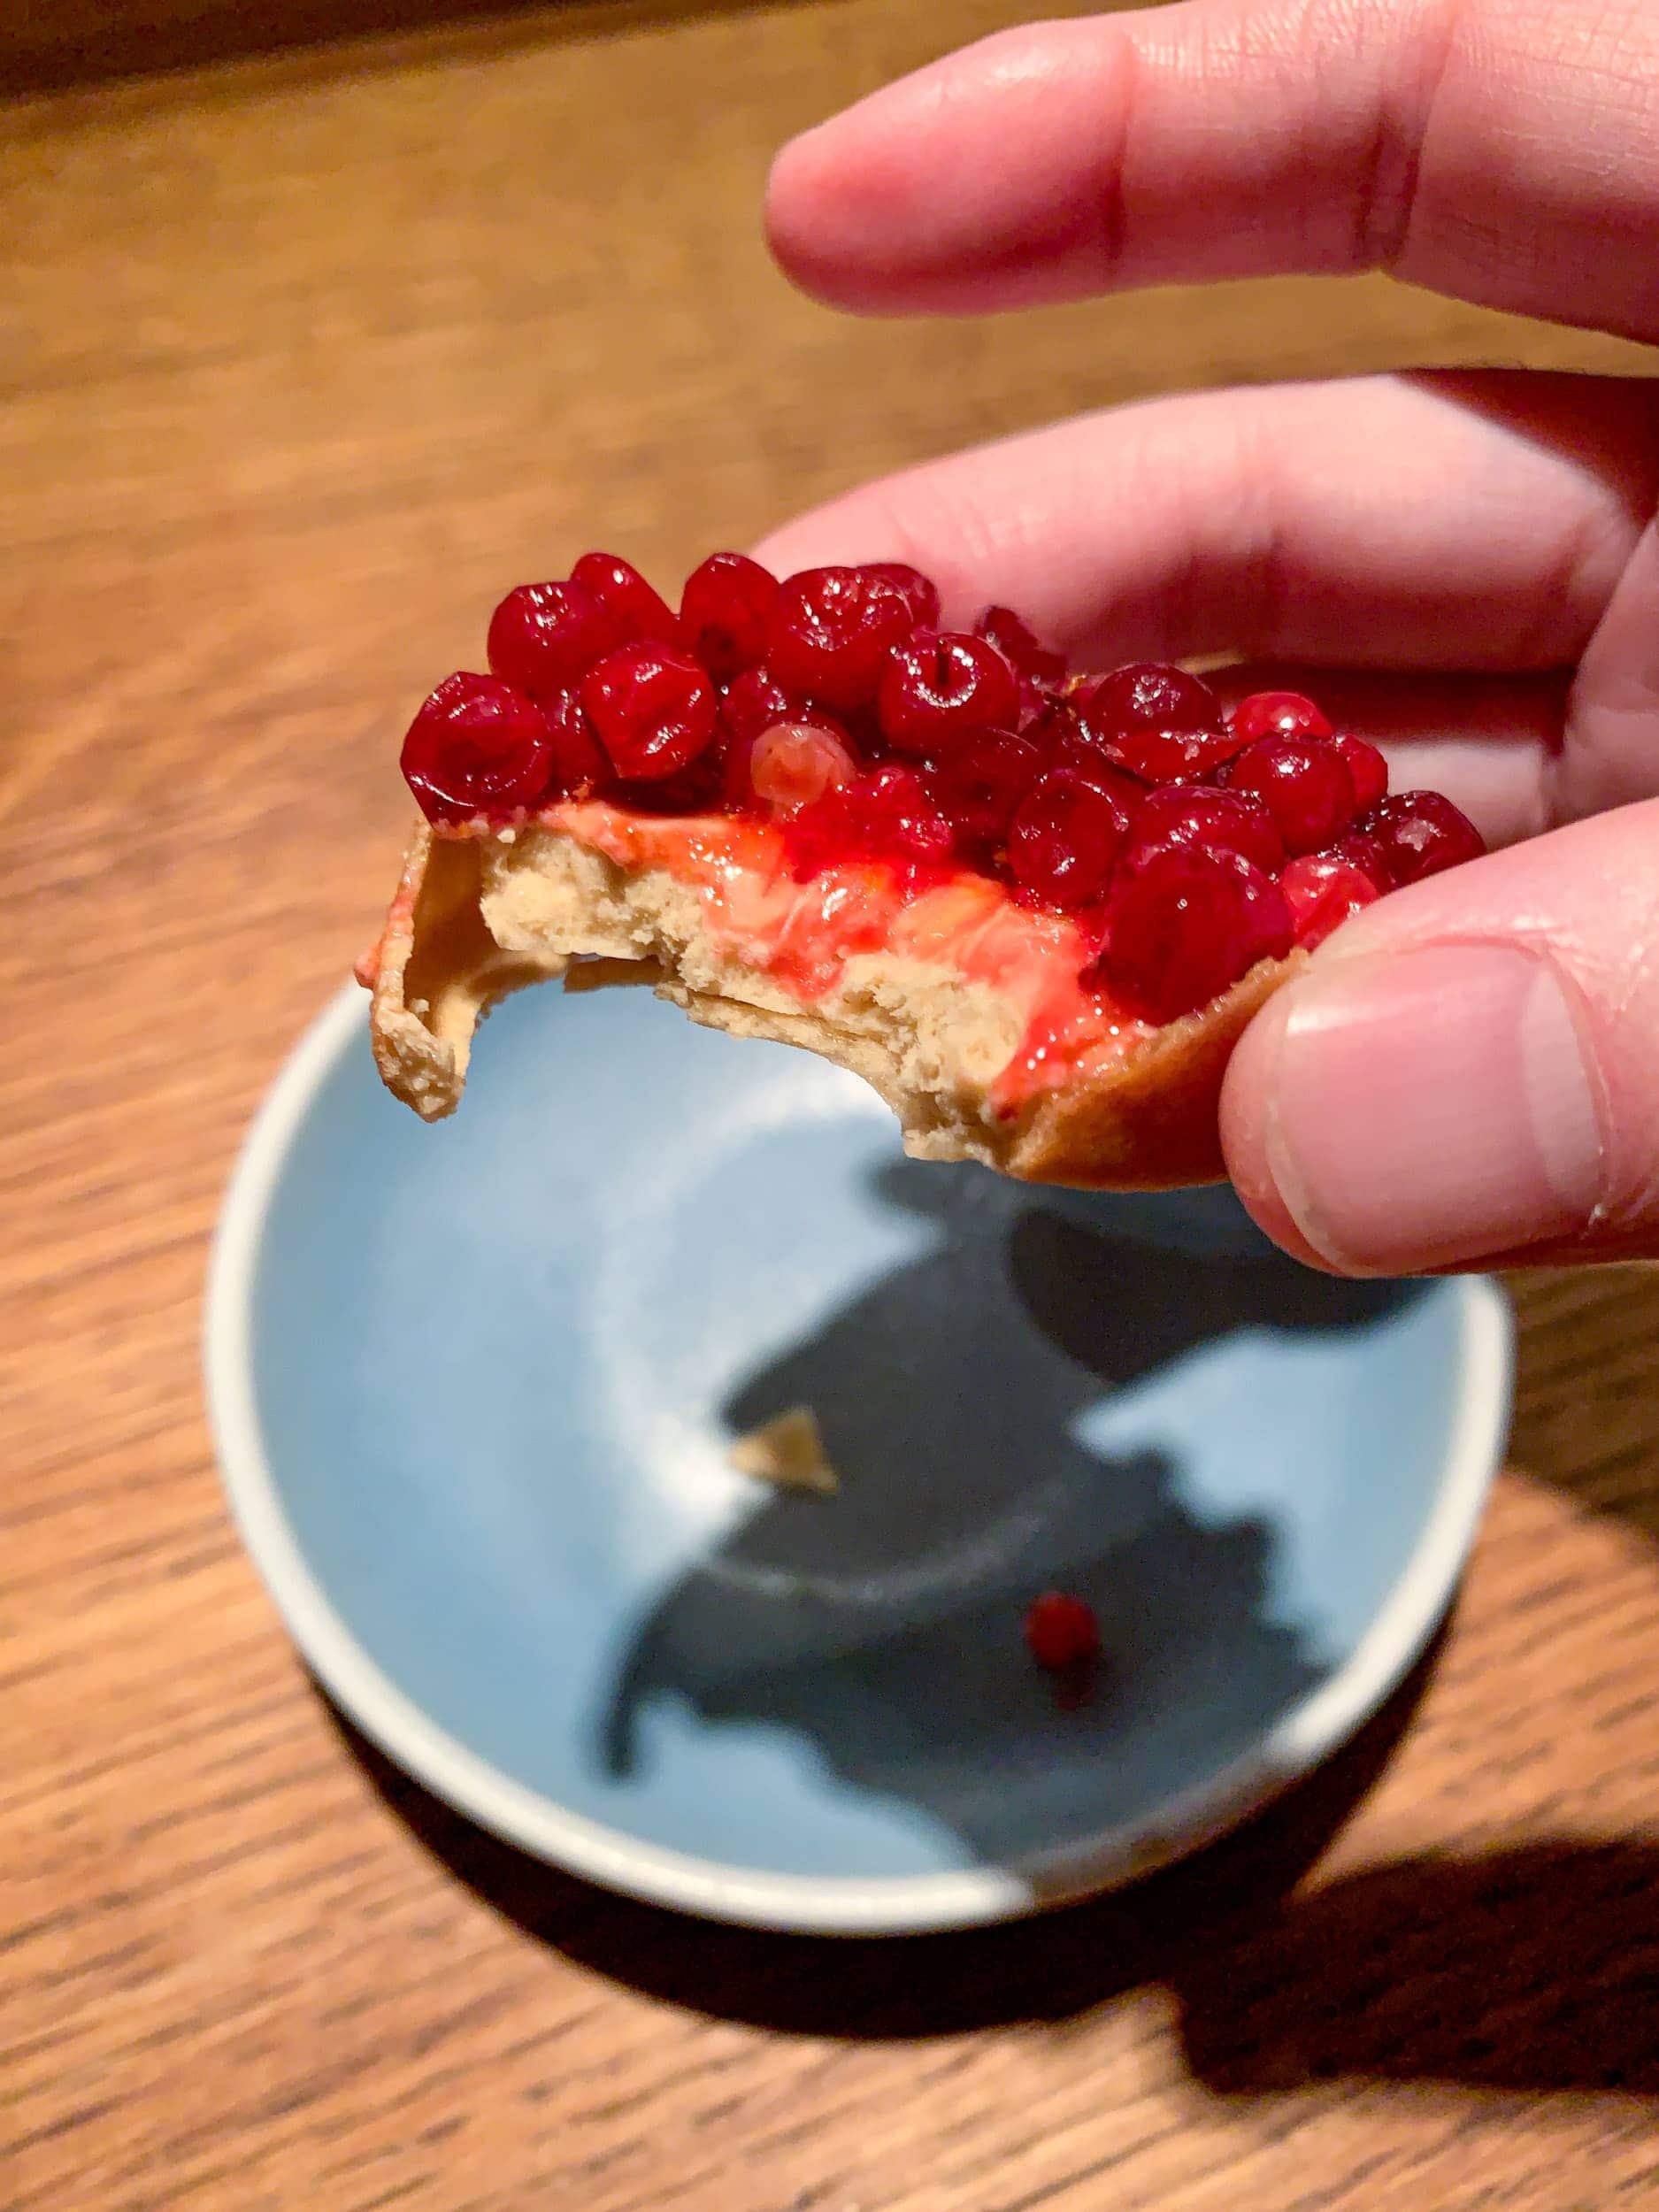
<point x="805" y="935"/>
<point x="836" y="773"/>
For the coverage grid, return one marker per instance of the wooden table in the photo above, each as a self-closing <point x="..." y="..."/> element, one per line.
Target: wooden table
<point x="304" y="361"/>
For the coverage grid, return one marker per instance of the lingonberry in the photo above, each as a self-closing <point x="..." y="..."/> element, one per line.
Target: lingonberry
<point x="939" y="686"/>
<point x="1066" y="837"/>
<point x="919" y="593"/>
<point x="794" y="763"/>
<point x="725" y="611"/>
<point x="1019" y="647"/>
<point x="1322" y="889"/>
<point x="978" y="784"/>
<point x="1157" y="723"/>
<point x="1277" y="714"/>
<point x="831" y="631"/>
<point x="1420" y="833"/>
<point x="1187" y="926"/>
<point x="1305" y="785"/>
<point x="1369" y="769"/>
<point x="579" y="766"/>
<point x="1061" y="1630"/>
<point x="476" y="748"/>
<point x="653" y="708"/>
<point x="1218" y="821"/>
<point x="637" y="610"/>
<point x="543" y="638"/>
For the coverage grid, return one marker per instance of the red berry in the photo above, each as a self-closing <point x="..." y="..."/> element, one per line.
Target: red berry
<point x="1369" y="769"/>
<point x="1017" y="644"/>
<point x="1322" y="889"/>
<point x="636" y="610"/>
<point x="725" y="611"/>
<point x="1277" y="714"/>
<point x="831" y="631"/>
<point x="1061" y="1630"/>
<point x="1185" y="927"/>
<point x="1065" y="838"/>
<point x="919" y="593"/>
<point x="1218" y="821"/>
<point x="886" y="814"/>
<point x="1305" y="785"/>
<point x="753" y="702"/>
<point x="578" y="764"/>
<point x="1365" y="852"/>
<point x="477" y="747"/>
<point x="980" y="782"/>
<point x="545" y="637"/>
<point x="653" y="708"/>
<point x="940" y="686"/>
<point x="794" y="763"/>
<point x="1157" y="723"/>
<point x="1420" y="833"/>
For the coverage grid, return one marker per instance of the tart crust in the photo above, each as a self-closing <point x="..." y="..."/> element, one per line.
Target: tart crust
<point x="477" y="917"/>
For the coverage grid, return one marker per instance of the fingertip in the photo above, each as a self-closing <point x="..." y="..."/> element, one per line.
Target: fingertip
<point x="1247" y="1106"/>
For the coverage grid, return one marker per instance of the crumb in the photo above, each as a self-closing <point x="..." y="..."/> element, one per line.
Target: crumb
<point x="787" y="1451"/>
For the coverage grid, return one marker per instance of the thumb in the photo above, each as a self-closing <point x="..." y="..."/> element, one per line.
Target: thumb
<point x="1469" y="1070"/>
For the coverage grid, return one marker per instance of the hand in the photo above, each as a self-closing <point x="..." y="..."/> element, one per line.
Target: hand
<point x="1470" y="1072"/>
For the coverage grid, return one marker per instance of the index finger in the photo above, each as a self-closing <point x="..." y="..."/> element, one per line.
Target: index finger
<point x="1506" y="155"/>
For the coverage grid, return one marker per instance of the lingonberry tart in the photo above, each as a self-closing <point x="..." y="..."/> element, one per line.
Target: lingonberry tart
<point x="1034" y="909"/>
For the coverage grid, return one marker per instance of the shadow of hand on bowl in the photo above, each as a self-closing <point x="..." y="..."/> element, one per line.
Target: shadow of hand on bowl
<point x="882" y="1627"/>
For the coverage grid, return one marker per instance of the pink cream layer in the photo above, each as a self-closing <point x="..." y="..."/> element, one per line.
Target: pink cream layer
<point x="803" y="935"/>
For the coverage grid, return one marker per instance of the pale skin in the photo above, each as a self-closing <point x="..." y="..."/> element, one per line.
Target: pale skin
<point x="1462" y="567"/>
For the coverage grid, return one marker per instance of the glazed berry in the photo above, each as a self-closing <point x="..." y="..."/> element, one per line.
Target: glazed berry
<point x="1018" y="645"/>
<point x="725" y="612"/>
<point x="1419" y="834"/>
<point x="1305" y="785"/>
<point x="886" y="814"/>
<point x="1369" y="769"/>
<point x="980" y="782"/>
<point x="939" y="686"/>
<point x="1185" y="927"/>
<point x="1365" y="852"/>
<point x="579" y="767"/>
<point x="1322" y="889"/>
<point x="653" y="708"/>
<point x="543" y="638"/>
<point x="1061" y="1630"/>
<point x="636" y="610"/>
<point x="1065" y="838"/>
<point x="919" y="593"/>
<point x="1156" y="723"/>
<point x="1219" y="821"/>
<point x="1277" y="714"/>
<point x="831" y="631"/>
<point x="476" y="748"/>
<point x="794" y="763"/>
<point x="753" y="702"/>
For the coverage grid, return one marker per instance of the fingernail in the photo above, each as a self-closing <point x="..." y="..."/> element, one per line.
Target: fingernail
<point x="1432" y="1107"/>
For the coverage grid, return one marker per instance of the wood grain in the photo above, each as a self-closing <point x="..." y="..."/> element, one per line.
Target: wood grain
<point x="302" y="362"/>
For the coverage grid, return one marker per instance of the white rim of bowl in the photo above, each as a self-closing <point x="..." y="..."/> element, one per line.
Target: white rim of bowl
<point x="828" y="1904"/>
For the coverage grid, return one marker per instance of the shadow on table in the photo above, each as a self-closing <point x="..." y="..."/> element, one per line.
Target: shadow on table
<point x="1052" y="1967"/>
<point x="1534" y="1969"/>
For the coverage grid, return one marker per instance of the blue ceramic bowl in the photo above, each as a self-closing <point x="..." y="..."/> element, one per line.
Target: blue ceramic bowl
<point x="474" y="1386"/>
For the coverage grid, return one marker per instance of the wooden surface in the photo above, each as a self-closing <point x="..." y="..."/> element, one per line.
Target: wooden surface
<point x="303" y="363"/>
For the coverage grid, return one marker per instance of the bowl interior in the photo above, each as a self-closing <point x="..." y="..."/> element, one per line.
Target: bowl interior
<point x="494" y="1368"/>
